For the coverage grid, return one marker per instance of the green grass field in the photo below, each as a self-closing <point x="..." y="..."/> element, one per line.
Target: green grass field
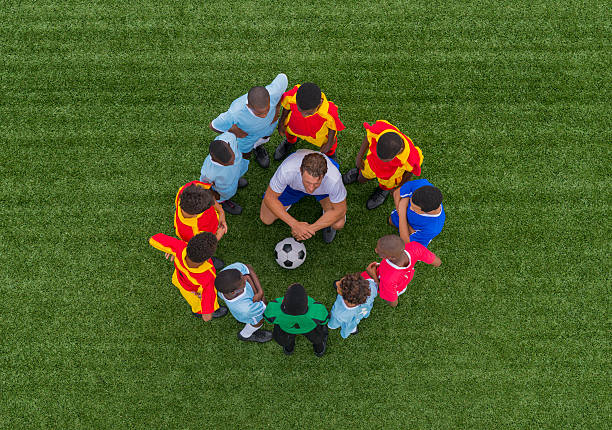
<point x="104" y="113"/>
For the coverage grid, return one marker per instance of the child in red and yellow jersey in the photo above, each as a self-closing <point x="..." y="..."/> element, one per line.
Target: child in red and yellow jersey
<point x="391" y="158"/>
<point x="194" y="274"/>
<point x="198" y="211"/>
<point x="308" y="114"/>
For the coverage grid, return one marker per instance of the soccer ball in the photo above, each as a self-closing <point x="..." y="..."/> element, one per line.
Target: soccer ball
<point x="290" y="253"/>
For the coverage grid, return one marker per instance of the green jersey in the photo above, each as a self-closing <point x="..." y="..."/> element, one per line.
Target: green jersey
<point x="297" y="324"/>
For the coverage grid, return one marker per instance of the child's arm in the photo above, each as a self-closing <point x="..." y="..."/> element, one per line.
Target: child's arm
<point x="281" y="122"/>
<point x="222" y="221"/>
<point x="166" y="244"/>
<point x="330" y="141"/>
<point x="372" y="270"/>
<point x="257" y="290"/>
<point x="425" y="255"/>
<point x="404" y="228"/>
<point x="362" y="151"/>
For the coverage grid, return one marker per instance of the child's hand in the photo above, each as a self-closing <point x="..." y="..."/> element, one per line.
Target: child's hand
<point x="169" y="256"/>
<point x="221" y="230"/>
<point x="372" y="270"/>
<point x="258" y="297"/>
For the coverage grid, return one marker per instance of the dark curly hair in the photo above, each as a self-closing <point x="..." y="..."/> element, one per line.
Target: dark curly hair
<point x="201" y="247"/>
<point x="194" y="199"/>
<point x="389" y="145"/>
<point x="228" y="280"/>
<point x="354" y="289"/>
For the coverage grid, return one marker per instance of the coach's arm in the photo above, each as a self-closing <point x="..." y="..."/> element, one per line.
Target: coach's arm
<point x="333" y="215"/>
<point x="275" y="210"/>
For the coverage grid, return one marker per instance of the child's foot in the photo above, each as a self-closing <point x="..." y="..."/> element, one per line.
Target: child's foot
<point x="377" y="198"/>
<point x="260" y="336"/>
<point x="282" y="150"/>
<point x="261" y="156"/>
<point x="242" y="182"/>
<point x="231" y="207"/>
<point x="328" y="233"/>
<point x="221" y="312"/>
<point x="350" y="176"/>
<point x="321" y="349"/>
<point x="218" y="263"/>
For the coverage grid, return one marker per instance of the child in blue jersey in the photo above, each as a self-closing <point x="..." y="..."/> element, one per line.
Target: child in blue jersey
<point x="253" y="118"/>
<point x="419" y="214"/>
<point x="238" y="285"/>
<point x="223" y="168"/>
<point x="356" y="293"/>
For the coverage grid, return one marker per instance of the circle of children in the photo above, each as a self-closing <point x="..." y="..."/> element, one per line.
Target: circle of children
<point x="386" y="154"/>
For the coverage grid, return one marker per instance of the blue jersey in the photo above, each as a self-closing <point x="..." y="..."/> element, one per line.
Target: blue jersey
<point x="224" y="178"/>
<point x="426" y="226"/>
<point x="242" y="307"/>
<point x="240" y="114"/>
<point x="348" y="318"/>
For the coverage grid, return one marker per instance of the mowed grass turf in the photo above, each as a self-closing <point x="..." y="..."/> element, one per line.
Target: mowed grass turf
<point x="104" y="109"/>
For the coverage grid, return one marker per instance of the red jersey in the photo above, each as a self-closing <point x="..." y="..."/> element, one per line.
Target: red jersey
<point x="186" y="228"/>
<point x="410" y="159"/>
<point x="395" y="279"/>
<point x="189" y="278"/>
<point x="314" y="128"/>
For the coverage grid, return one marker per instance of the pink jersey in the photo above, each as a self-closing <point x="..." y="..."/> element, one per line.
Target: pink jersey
<point x="395" y="279"/>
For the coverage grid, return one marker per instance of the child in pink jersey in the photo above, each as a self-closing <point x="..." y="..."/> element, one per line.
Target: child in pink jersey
<point x="396" y="270"/>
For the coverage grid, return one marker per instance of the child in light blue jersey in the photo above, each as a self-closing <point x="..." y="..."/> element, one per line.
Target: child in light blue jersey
<point x="356" y="293"/>
<point x="223" y="168"/>
<point x="253" y="117"/>
<point x="238" y="285"/>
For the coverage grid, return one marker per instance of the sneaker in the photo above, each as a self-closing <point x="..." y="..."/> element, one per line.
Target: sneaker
<point x="261" y="156"/>
<point x="350" y="176"/>
<point x="231" y="207"/>
<point x="288" y="351"/>
<point x="329" y="233"/>
<point x="282" y="150"/>
<point x="355" y="332"/>
<point x="218" y="263"/>
<point x="242" y="182"/>
<point x="260" y="336"/>
<point x="221" y="312"/>
<point x="377" y="198"/>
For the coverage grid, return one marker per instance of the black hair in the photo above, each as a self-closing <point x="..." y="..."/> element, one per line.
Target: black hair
<point x="389" y="145"/>
<point x="201" y="247"/>
<point x="427" y="198"/>
<point x="220" y="151"/>
<point x="194" y="199"/>
<point x="295" y="301"/>
<point x="258" y="97"/>
<point x="308" y="96"/>
<point x="228" y="280"/>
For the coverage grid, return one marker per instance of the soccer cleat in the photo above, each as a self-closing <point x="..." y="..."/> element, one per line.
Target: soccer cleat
<point x="261" y="156"/>
<point x="355" y="332"/>
<point x="259" y="336"/>
<point x="320" y="353"/>
<point x="282" y="150"/>
<point x="242" y="182"/>
<point x="329" y="233"/>
<point x="221" y="312"/>
<point x="231" y="207"/>
<point x="377" y="198"/>
<point x="288" y="351"/>
<point x="218" y="263"/>
<point x="350" y="176"/>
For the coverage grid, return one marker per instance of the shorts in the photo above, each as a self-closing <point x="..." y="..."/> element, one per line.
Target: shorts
<point x="385" y="184"/>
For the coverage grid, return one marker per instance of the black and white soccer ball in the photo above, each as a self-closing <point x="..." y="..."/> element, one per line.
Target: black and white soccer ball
<point x="290" y="253"/>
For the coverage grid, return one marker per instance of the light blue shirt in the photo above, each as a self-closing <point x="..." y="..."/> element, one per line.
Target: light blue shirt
<point x="348" y="318"/>
<point x="224" y="178"/>
<point x="240" y="114"/>
<point x="242" y="307"/>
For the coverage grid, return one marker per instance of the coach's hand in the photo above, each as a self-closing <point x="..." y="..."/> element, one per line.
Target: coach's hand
<point x="302" y="230"/>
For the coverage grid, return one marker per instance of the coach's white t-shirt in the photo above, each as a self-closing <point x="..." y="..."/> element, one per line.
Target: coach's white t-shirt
<point x="288" y="174"/>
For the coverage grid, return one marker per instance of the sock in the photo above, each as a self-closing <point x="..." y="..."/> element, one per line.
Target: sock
<point x="248" y="330"/>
